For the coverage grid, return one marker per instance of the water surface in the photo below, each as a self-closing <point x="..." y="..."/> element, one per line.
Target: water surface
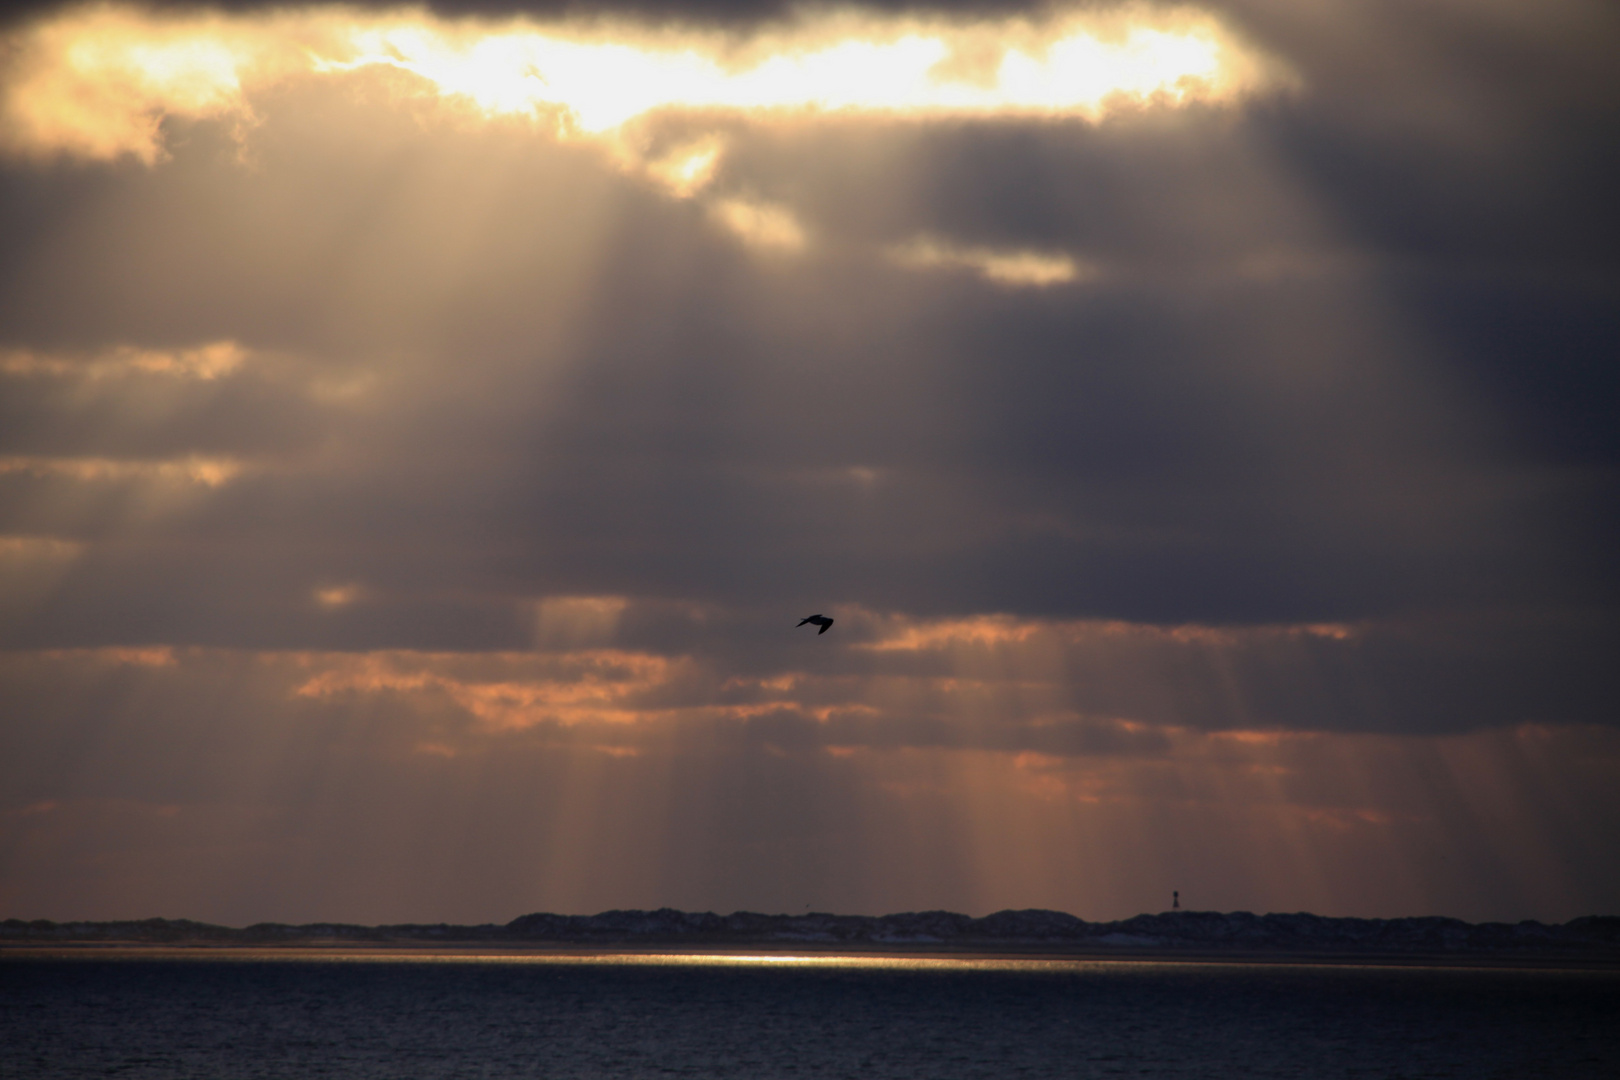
<point x="250" y="1015"/>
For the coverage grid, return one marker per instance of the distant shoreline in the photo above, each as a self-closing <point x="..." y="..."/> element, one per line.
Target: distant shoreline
<point x="1176" y="936"/>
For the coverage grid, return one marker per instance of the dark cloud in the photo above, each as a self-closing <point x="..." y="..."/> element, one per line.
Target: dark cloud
<point x="565" y="382"/>
<point x="736" y="13"/>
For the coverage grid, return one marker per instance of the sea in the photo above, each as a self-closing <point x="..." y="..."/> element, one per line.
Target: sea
<point x="237" y="1015"/>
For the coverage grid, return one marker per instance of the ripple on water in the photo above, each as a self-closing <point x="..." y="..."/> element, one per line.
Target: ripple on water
<point x="766" y="1016"/>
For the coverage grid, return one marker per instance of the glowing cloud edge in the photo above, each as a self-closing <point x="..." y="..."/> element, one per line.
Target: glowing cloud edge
<point x="96" y="82"/>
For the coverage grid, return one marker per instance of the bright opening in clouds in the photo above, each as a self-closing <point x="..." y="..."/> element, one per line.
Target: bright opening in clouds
<point x="602" y="80"/>
<point x="97" y="81"/>
<point x="421" y="433"/>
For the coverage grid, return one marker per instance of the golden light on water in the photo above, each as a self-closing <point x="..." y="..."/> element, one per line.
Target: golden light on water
<point x="523" y="956"/>
<point x="98" y="81"/>
<point x="856" y="959"/>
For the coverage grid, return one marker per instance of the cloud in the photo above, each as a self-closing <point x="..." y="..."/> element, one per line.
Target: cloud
<point x="770" y="228"/>
<point x="206" y="362"/>
<point x="1205" y="480"/>
<point x="337" y="596"/>
<point x="239" y="786"/>
<point x="1055" y="687"/>
<point x="1013" y="268"/>
<point x="96" y="81"/>
<point x="596" y="687"/>
<point x="573" y="622"/>
<point x="210" y="472"/>
<point x="688" y="168"/>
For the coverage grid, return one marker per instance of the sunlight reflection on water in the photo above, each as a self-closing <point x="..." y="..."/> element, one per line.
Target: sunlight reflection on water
<point x="762" y="1014"/>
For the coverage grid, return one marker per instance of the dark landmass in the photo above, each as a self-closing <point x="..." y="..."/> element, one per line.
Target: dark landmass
<point x="1200" y="933"/>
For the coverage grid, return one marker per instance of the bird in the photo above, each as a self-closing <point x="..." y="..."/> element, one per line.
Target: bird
<point x="820" y="620"/>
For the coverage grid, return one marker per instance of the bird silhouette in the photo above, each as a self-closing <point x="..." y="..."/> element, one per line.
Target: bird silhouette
<point x="820" y="620"/>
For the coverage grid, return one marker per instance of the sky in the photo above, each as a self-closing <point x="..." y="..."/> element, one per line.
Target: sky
<point x="421" y="430"/>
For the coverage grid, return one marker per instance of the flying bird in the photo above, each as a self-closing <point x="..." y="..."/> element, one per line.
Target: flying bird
<point x="820" y="620"/>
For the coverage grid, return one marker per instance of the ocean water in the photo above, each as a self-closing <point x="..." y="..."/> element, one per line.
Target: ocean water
<point x="366" y="1016"/>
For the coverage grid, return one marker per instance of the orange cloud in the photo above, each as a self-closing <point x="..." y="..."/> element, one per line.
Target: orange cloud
<point x="1015" y="268"/>
<point x="205" y="362"/>
<point x="597" y="686"/>
<point x="1331" y="822"/>
<point x="194" y="469"/>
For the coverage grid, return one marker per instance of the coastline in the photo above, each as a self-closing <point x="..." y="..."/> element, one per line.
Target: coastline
<point x="1204" y="937"/>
